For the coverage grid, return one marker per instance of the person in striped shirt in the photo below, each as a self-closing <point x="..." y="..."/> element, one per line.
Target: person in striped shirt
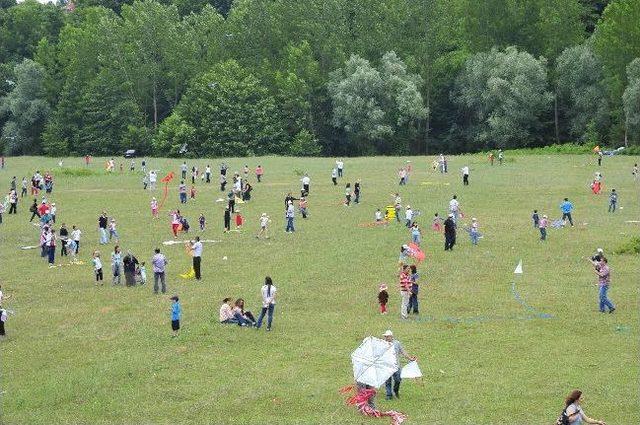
<point x="405" y="290"/>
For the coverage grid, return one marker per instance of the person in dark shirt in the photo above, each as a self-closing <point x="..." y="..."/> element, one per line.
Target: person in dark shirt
<point x="103" y="220"/>
<point x="449" y="233"/>
<point x="64" y="235"/>
<point x="227" y="219"/>
<point x="288" y="198"/>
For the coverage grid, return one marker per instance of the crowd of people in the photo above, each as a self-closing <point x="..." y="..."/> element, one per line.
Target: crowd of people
<point x="233" y="311"/>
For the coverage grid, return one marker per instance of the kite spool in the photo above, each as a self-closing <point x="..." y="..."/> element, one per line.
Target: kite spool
<point x="390" y="213"/>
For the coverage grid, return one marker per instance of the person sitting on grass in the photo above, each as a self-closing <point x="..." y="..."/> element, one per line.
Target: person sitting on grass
<point x="226" y="313"/>
<point x="244" y="318"/>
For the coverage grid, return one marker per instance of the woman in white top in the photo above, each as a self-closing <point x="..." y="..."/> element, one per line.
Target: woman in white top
<point x="268" y="302"/>
<point x="573" y="411"/>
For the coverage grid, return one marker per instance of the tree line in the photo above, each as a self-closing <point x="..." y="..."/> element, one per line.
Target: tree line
<point x="331" y="77"/>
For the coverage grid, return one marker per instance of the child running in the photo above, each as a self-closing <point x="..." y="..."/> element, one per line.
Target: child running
<point x="416" y="235"/>
<point x="264" y="223"/>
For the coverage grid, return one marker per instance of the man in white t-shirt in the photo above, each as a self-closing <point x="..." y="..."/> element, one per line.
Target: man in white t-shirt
<point x="75" y="236"/>
<point x="340" y="167"/>
<point x="306" y="182"/>
<point x="196" y="249"/>
<point x="153" y="178"/>
<point x="454" y="208"/>
<point x="465" y="175"/>
<point x="408" y="216"/>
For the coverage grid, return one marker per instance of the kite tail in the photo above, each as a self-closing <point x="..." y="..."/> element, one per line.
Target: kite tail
<point x="164" y="195"/>
<point x="361" y="400"/>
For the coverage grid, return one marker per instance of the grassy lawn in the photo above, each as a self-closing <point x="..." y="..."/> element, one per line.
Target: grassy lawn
<point x="76" y="353"/>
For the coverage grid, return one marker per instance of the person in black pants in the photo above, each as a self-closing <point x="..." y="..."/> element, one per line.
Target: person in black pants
<point x="227" y="219"/>
<point x="34" y="210"/>
<point x="64" y="235"/>
<point x="449" y="233"/>
<point x="196" y="249"/>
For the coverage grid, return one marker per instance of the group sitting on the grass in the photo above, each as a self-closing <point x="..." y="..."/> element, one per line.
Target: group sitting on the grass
<point x="234" y="313"/>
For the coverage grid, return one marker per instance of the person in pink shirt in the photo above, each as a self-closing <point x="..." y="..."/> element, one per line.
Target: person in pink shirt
<point x="259" y="173"/>
<point x="542" y="225"/>
<point x="154" y="207"/>
<point x="175" y="223"/>
<point x="226" y="312"/>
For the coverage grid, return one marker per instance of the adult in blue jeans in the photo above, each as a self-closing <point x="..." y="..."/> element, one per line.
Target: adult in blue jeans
<point x="604" y="279"/>
<point x="392" y="385"/>
<point x="268" y="292"/>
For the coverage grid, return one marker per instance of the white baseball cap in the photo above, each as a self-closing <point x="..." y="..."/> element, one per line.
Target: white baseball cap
<point x="388" y="333"/>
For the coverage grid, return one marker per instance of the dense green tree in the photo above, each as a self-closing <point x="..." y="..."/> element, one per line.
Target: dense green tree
<point x="582" y="95"/>
<point x="26" y="110"/>
<point x="225" y="112"/>
<point x="372" y="105"/>
<point x="631" y="101"/>
<point x="24" y="25"/>
<point x="503" y="96"/>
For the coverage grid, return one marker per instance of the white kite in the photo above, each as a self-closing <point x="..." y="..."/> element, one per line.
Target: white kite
<point x="518" y="269"/>
<point x="410" y="371"/>
<point x="374" y="362"/>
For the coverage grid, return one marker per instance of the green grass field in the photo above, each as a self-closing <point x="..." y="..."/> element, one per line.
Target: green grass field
<point x="80" y="354"/>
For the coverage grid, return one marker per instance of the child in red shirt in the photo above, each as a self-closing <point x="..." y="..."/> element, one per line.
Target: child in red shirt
<point x="383" y="298"/>
<point x="239" y="221"/>
<point x="193" y="192"/>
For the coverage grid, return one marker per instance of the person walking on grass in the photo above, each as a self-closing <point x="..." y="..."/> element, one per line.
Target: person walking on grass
<point x="13" y="202"/>
<point x="604" y="279"/>
<point x="454" y="208"/>
<point x="264" y="223"/>
<point x="573" y="413"/>
<point x="159" y="262"/>
<point x="33" y="209"/>
<point x="474" y="232"/>
<point x="566" y="207"/>
<point x="268" y="293"/>
<point x="196" y="249"/>
<point x="116" y="266"/>
<point x="542" y="225"/>
<point x="449" y="233"/>
<point x="334" y="176"/>
<point x="176" y="313"/>
<point x="613" y="200"/>
<point x="97" y="267"/>
<point x="465" y="175"/>
<point x="392" y="385"/>
<point x="290" y="215"/>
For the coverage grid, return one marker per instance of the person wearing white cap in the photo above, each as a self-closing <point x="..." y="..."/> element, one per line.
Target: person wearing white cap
<point x="264" y="222"/>
<point x="392" y="386"/>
